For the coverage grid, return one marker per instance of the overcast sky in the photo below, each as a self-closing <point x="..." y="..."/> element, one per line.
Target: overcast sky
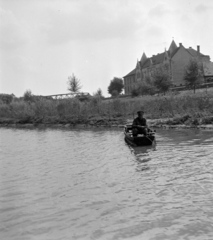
<point x="42" y="42"/>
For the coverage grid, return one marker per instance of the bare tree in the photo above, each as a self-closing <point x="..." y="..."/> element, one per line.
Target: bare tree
<point x="98" y="93"/>
<point x="28" y="96"/>
<point x="74" y="84"/>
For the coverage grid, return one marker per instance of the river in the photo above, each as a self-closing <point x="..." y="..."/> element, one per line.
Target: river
<point x="58" y="184"/>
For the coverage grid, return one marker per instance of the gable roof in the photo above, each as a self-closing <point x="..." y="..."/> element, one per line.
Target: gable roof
<point x="131" y="73"/>
<point x="159" y="58"/>
<point x="193" y="52"/>
<point x="155" y="59"/>
<point x="143" y="58"/>
<point x="172" y="47"/>
<point x="174" y="52"/>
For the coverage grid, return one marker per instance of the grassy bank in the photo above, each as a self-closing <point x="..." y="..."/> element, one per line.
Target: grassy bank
<point x="178" y="109"/>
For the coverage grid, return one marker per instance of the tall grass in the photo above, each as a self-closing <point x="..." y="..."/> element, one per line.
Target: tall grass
<point x="73" y="110"/>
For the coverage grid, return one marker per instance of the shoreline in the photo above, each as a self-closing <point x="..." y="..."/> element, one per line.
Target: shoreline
<point x="164" y="123"/>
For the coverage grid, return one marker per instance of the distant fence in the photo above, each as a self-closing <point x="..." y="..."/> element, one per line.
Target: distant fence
<point x="185" y="87"/>
<point x="180" y="88"/>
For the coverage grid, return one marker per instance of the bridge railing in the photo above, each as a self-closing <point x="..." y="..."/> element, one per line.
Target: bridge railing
<point x="67" y="95"/>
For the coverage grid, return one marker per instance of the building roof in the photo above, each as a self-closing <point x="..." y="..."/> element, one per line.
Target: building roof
<point x="159" y="58"/>
<point x="174" y="52"/>
<point x="172" y="47"/>
<point x="155" y="59"/>
<point x="143" y="58"/>
<point x="131" y="73"/>
<point x="193" y="52"/>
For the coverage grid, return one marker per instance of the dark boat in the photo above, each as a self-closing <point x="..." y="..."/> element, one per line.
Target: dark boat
<point x="140" y="140"/>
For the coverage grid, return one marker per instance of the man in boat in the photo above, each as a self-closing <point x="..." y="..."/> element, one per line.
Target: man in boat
<point x="139" y="125"/>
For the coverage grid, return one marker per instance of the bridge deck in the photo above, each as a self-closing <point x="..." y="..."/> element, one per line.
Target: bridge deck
<point x="66" y="95"/>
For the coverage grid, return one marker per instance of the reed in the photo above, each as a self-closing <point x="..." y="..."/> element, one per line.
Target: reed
<point x="72" y="110"/>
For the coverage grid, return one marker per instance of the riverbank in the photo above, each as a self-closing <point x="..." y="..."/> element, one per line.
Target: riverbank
<point x="170" y="111"/>
<point x="185" y="122"/>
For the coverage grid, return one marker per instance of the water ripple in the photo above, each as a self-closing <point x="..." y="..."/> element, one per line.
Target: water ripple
<point x="82" y="184"/>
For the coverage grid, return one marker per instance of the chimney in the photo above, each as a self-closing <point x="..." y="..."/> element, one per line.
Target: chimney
<point x="198" y="49"/>
<point x="180" y="44"/>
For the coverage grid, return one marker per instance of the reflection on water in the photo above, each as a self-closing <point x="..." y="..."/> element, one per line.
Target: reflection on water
<point x="81" y="184"/>
<point x="142" y="156"/>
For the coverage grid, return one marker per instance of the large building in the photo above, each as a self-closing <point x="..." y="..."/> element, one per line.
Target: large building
<point x="174" y="60"/>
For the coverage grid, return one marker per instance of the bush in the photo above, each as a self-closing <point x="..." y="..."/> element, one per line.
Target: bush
<point x="7" y="98"/>
<point x="179" y="107"/>
<point x="19" y="110"/>
<point x="67" y="108"/>
<point x="135" y="92"/>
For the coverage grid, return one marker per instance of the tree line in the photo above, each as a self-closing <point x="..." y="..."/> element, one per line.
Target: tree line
<point x="159" y="81"/>
<point x="115" y="87"/>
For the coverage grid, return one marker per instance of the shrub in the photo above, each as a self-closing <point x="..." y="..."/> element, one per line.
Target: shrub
<point x="7" y="98"/>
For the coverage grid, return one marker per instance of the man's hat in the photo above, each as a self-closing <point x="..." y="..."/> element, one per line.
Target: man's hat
<point x="140" y="111"/>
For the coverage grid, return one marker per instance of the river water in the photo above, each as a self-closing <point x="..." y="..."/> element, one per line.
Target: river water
<point x="88" y="184"/>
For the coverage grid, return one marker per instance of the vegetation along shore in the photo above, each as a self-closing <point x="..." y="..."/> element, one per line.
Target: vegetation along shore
<point x="172" y="110"/>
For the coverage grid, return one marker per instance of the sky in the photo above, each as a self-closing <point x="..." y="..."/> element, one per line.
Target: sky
<point x="42" y="42"/>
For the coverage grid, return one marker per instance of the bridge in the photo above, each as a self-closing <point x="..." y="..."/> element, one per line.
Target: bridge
<point x="67" y="95"/>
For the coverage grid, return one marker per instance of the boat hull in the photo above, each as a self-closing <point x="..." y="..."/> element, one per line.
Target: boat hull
<point x="139" y="140"/>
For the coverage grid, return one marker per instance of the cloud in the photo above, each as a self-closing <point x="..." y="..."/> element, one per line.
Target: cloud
<point x="13" y="35"/>
<point x="89" y="21"/>
<point x="201" y="8"/>
<point x="155" y="31"/>
<point x="158" y="11"/>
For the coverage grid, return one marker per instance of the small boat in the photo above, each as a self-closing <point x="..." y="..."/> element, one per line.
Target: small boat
<point x="140" y="139"/>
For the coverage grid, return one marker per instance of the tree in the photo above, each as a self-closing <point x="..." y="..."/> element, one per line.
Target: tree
<point x="144" y="87"/>
<point x="161" y="79"/>
<point x="193" y="73"/>
<point x="28" y="96"/>
<point x="74" y="84"/>
<point x="114" y="93"/>
<point x="98" y="93"/>
<point x="116" y="85"/>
